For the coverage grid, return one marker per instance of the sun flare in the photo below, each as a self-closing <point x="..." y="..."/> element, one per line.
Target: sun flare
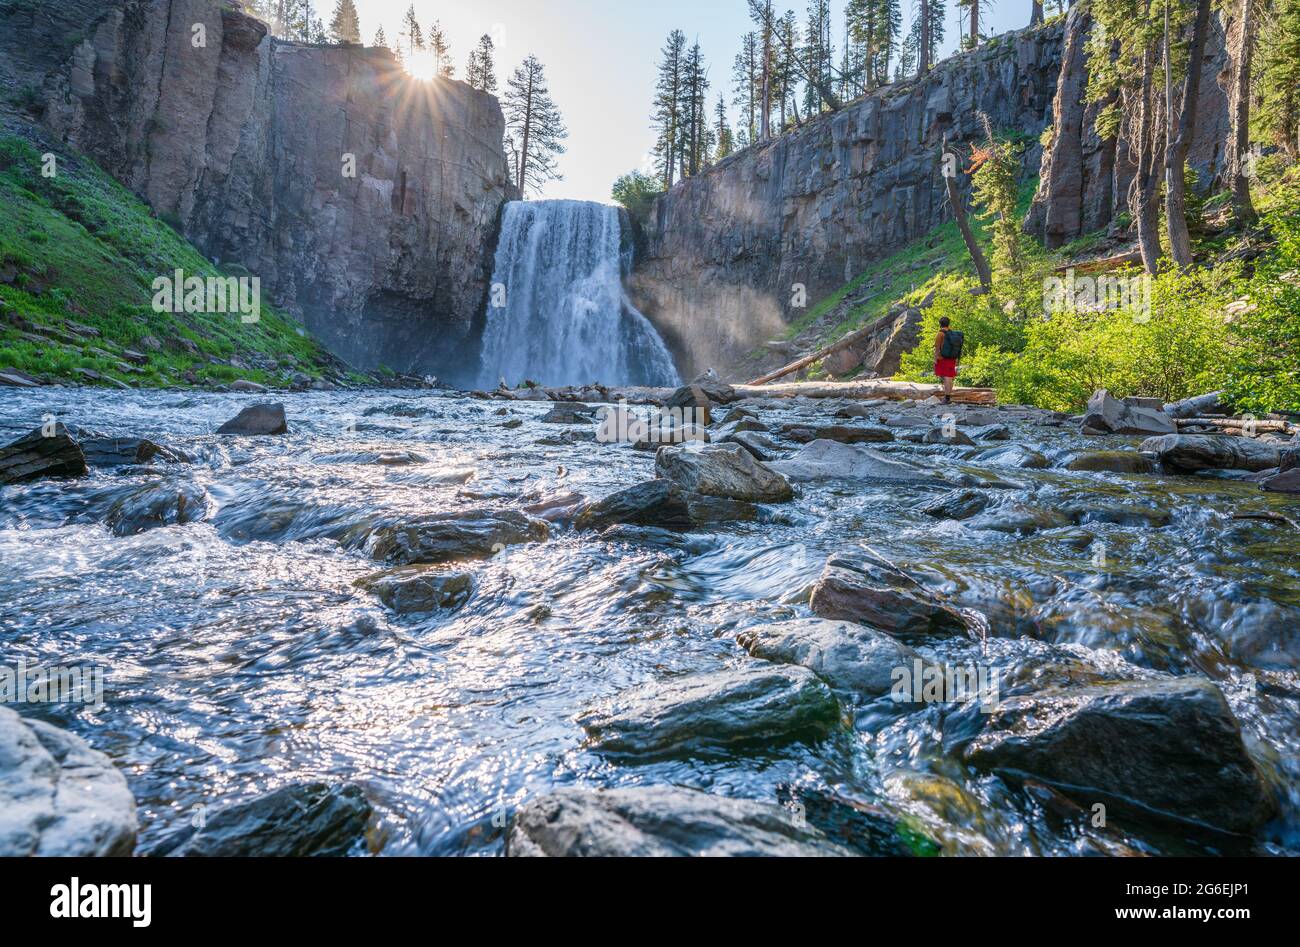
<point x="422" y="65"/>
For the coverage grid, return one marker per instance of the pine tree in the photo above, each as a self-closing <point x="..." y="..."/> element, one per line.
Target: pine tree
<point x="724" y="140"/>
<point x="481" y="71"/>
<point x="535" y="127"/>
<point x="669" y="108"/>
<point x="345" y="27"/>
<point x="381" y="39"/>
<point x="819" y="54"/>
<point x="696" y="143"/>
<point x="410" y="38"/>
<point x="1278" y="115"/>
<point x="926" y="34"/>
<point x="745" y="83"/>
<point x="441" y="49"/>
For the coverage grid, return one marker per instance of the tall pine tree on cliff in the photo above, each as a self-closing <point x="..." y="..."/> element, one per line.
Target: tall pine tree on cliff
<point x="670" y="108"/>
<point x="481" y="70"/>
<point x="535" y="127"/>
<point x="345" y="27"/>
<point x="410" y="38"/>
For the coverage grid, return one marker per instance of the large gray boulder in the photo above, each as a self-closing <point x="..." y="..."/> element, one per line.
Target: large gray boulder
<point x="722" y="470"/>
<point x="419" y="590"/>
<point x="660" y="822"/>
<point x="151" y="505"/>
<point x="661" y="503"/>
<point x="1170" y="747"/>
<point x="848" y="656"/>
<point x="830" y="460"/>
<point x="711" y="712"/>
<point x="258" y="420"/>
<point x="1188" y="453"/>
<point x="1287" y="480"/>
<point x="451" y="537"/>
<point x="59" y="797"/>
<point x="874" y="592"/>
<point x="1108" y="415"/>
<point x="36" y="455"/>
<point x="805" y="432"/>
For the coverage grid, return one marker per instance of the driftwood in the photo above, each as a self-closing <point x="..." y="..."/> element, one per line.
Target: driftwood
<point x="1238" y="426"/>
<point x="959" y="213"/>
<point x="871" y="388"/>
<point x="815" y="357"/>
<point x="1279" y="518"/>
<point x="1131" y="257"/>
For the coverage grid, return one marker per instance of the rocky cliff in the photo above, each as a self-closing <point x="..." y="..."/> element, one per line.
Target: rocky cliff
<point x="366" y="202"/>
<point x="727" y="250"/>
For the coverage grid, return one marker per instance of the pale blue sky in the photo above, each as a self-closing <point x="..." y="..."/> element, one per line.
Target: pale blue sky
<point x="600" y="59"/>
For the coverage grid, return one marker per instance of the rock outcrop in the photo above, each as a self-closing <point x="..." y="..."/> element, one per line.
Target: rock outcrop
<point x="725" y="249"/>
<point x="366" y="202"/>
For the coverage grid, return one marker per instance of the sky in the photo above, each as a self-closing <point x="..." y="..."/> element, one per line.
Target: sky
<point x="600" y="58"/>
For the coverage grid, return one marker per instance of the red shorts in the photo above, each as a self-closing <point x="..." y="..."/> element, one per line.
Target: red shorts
<point x="946" y="368"/>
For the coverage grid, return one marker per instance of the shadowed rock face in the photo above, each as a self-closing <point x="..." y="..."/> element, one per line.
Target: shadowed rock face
<point x="816" y="206"/>
<point x="242" y="142"/>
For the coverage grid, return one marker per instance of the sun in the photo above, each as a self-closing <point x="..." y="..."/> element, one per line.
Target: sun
<point x="422" y="65"/>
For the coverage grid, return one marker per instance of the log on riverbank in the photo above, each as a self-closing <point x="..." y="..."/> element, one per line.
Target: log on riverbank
<point x="870" y="388"/>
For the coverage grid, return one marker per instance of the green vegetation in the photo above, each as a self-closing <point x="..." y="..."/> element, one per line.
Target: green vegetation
<point x="637" y="192"/>
<point x="78" y="257"/>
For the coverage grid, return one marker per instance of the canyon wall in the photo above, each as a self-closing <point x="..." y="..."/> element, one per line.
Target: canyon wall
<point x="726" y="249"/>
<point x="367" y="202"/>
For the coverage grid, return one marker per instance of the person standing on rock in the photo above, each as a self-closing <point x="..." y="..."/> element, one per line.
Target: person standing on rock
<point x="947" y="353"/>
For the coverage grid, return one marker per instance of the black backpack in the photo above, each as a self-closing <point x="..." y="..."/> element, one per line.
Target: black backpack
<point x="952" y="344"/>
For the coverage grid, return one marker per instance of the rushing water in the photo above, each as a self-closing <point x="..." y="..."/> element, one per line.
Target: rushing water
<point x="241" y="655"/>
<point x="558" y="314"/>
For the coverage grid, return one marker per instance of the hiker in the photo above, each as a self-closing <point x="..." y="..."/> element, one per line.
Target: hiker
<point x="947" y="353"/>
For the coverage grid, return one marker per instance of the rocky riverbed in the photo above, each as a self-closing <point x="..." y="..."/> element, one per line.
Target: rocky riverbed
<point x="432" y="623"/>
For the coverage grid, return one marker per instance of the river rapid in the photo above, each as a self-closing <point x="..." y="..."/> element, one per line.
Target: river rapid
<point x="241" y="655"/>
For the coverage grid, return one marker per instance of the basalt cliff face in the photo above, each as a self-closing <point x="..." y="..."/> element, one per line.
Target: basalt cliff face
<point x="367" y="203"/>
<point x="727" y="251"/>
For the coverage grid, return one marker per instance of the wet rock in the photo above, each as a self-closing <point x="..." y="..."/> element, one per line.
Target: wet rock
<point x="1130" y="416"/>
<point x="1288" y="481"/>
<point x="957" y="505"/>
<point x="736" y="415"/>
<point x="256" y="421"/>
<point x="103" y="451"/>
<point x="737" y="427"/>
<point x="1109" y="461"/>
<point x="693" y="404"/>
<point x="1019" y="518"/>
<point x="248" y="387"/>
<point x="804" y="433"/>
<point x="570" y="413"/>
<point x="762" y="448"/>
<point x="876" y="593"/>
<point x="711" y="383"/>
<point x="410" y="592"/>
<point x="847" y="656"/>
<point x="710" y="713"/>
<point x="661" y="503"/>
<point x="163" y="503"/>
<point x="1017" y="455"/>
<point x="16" y="379"/>
<point x="1084" y="512"/>
<point x="1170" y="747"/>
<point x="449" y="537"/>
<point x="722" y="470"/>
<point x="937" y="435"/>
<point x="305" y="820"/>
<point x="660" y="822"/>
<point x="829" y="460"/>
<point x="1188" y="453"/>
<point x="59" y="797"/>
<point x="36" y="456"/>
<point x="990" y="432"/>
<point x="866" y="829"/>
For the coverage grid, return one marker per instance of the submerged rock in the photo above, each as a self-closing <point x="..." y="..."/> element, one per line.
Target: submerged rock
<point x="257" y="420"/>
<point x="990" y="432"/>
<point x="1130" y="416"/>
<point x="866" y="829"/>
<point x="877" y="593"/>
<point x="164" y="503"/>
<point x="937" y="435"/>
<point x="829" y="460"/>
<point x="36" y="455"/>
<point x="710" y="713"/>
<point x="806" y="433"/>
<point x="957" y="505"/>
<point x="722" y="470"/>
<point x="1170" y="747"/>
<point x="1019" y="518"/>
<point x="848" y="656"/>
<point x="305" y="820"/>
<point x="570" y="413"/>
<point x="448" y="537"/>
<point x="1188" y="453"/>
<point x="1110" y="461"/>
<point x="58" y="797"/>
<point x="760" y="446"/>
<point x="414" y="591"/>
<point x="661" y="503"/>
<point x="1016" y="455"/>
<point x="660" y="822"/>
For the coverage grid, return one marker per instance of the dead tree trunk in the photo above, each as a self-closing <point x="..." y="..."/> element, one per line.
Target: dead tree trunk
<point x="1180" y="240"/>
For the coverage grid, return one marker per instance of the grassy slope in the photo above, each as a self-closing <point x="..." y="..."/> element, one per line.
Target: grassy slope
<point x="79" y="249"/>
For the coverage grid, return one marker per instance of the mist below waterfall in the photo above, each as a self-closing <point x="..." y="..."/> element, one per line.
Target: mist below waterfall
<point x="558" y="313"/>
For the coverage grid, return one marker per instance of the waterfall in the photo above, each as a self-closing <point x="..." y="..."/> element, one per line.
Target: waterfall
<point x="566" y="319"/>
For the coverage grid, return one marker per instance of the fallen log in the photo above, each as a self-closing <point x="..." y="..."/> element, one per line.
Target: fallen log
<point x="1241" y="426"/>
<point x="855" y="336"/>
<point x="865" y="390"/>
<point x="1087" y="267"/>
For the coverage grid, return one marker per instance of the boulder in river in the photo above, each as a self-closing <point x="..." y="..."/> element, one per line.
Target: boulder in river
<point x="722" y="470"/>
<point x="803" y="432"/>
<point x="1287" y="481"/>
<point x="873" y="592"/>
<point x="449" y="537"/>
<point x="1189" y="453"/>
<point x="691" y="405"/>
<point x="570" y="413"/>
<point x="711" y="383"/>
<point x="957" y="505"/>
<point x="162" y="503"/>
<point x="59" y="797"/>
<point x="866" y="829"/>
<point x="304" y="820"/>
<point x="1109" y="461"/>
<point x="49" y="451"/>
<point x="846" y="655"/>
<point x="418" y="591"/>
<point x="1015" y="455"/>
<point x="953" y="438"/>
<point x="709" y="713"/>
<point x="830" y="460"/>
<point x="990" y="432"/>
<point x="661" y="503"/>
<point x="1108" y="415"/>
<point x="759" y="445"/>
<point x="1170" y="747"/>
<point x="257" y="420"/>
<point x="660" y="822"/>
